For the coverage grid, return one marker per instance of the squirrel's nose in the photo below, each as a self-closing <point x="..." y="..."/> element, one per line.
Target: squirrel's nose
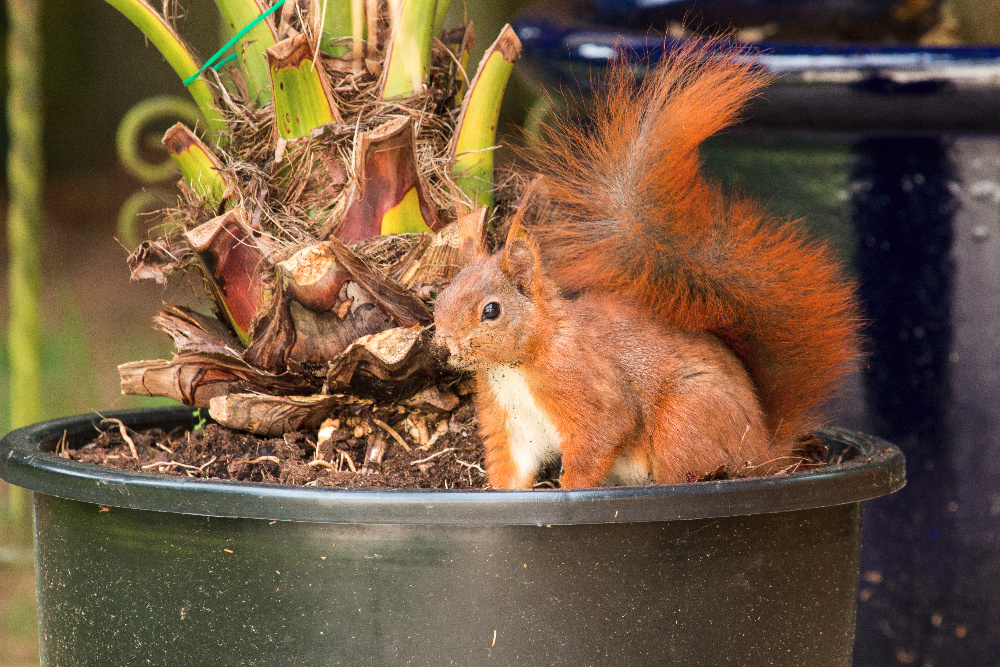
<point x="444" y="343"/>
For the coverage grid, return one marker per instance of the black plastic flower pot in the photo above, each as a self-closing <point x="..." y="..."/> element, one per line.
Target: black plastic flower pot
<point x="136" y="568"/>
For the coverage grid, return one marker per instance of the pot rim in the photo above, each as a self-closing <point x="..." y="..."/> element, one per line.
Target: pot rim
<point x="878" y="469"/>
<point x="820" y="87"/>
<point x="599" y="43"/>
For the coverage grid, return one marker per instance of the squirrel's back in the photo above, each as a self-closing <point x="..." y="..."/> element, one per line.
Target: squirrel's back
<point x="629" y="210"/>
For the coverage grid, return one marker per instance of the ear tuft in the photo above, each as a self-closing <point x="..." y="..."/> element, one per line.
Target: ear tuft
<point x="472" y="242"/>
<point x="520" y="262"/>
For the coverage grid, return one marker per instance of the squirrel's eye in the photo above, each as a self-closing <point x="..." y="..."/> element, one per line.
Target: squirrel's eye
<point x="491" y="311"/>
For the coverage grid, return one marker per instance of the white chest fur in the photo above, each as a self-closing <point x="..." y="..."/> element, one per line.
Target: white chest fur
<point x="534" y="439"/>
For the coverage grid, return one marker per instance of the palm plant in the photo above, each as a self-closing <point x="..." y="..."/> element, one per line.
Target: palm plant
<point x="343" y="144"/>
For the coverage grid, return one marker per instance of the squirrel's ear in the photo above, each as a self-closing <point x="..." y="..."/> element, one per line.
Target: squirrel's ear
<point x="471" y="241"/>
<point x="520" y="262"/>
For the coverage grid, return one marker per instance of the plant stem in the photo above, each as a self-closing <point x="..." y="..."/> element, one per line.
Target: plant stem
<point x="197" y="163"/>
<point x="236" y="14"/>
<point x="357" y="35"/>
<point x="302" y="98"/>
<point x="408" y="55"/>
<point x="172" y="47"/>
<point x="25" y="181"/>
<point x="371" y="23"/>
<point x="338" y="22"/>
<point x="440" y="14"/>
<point x="475" y="134"/>
<point x="129" y="140"/>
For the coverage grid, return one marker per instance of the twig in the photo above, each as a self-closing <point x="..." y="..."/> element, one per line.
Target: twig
<point x="321" y="462"/>
<point x="470" y="465"/>
<point x="350" y="462"/>
<point x="433" y="456"/>
<point x="167" y="464"/>
<point x="395" y="436"/>
<point x="441" y="429"/>
<point x="124" y="434"/>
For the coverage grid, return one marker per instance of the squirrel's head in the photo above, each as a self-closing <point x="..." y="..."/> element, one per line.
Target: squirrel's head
<point x="492" y="311"/>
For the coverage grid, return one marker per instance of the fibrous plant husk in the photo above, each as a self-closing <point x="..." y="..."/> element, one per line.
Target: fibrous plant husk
<point x="322" y="215"/>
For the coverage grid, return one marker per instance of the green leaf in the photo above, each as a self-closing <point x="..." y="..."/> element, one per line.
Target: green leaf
<point x="302" y="100"/>
<point x="239" y="13"/>
<point x="475" y="135"/>
<point x="175" y="51"/>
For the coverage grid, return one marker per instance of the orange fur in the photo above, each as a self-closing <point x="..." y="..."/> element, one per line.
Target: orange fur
<point x="630" y="211"/>
<point x="647" y="328"/>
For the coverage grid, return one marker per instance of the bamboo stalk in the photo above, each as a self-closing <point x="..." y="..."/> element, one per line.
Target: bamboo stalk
<point x="25" y="179"/>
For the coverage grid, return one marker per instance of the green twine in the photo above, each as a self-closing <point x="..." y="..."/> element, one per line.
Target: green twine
<point x="211" y="62"/>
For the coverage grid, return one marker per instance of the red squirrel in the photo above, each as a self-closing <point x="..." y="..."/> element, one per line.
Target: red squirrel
<point x="648" y="329"/>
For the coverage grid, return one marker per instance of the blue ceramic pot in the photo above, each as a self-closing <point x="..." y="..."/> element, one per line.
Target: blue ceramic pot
<point x="892" y="153"/>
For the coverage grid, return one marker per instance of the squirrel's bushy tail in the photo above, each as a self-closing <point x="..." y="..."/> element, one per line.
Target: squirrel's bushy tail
<point x="630" y="211"/>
